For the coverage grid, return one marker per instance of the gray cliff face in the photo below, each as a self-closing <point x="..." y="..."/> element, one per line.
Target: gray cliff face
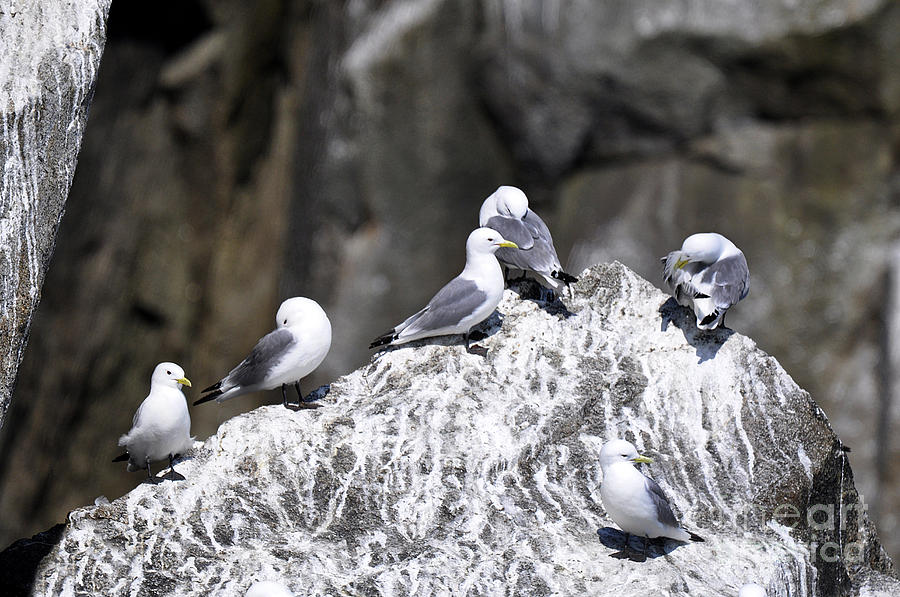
<point x="50" y="52"/>
<point x="431" y="471"/>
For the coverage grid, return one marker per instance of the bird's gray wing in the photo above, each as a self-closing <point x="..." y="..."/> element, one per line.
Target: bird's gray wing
<point x="664" y="512"/>
<point x="458" y="299"/>
<point x="512" y="229"/>
<point x="726" y="281"/>
<point x="541" y="257"/>
<point x="265" y="355"/>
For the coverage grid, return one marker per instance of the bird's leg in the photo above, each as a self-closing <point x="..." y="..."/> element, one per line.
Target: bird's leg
<point x="300" y="402"/>
<point x="627" y="547"/>
<point x="172" y="472"/>
<point x="646" y="545"/>
<point x="150" y="478"/>
<point x="479" y="350"/>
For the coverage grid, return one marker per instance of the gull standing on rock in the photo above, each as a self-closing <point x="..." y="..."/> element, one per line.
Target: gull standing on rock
<point x="633" y="501"/>
<point x="709" y="274"/>
<point x="283" y="357"/>
<point x="161" y="427"/>
<point x="467" y="300"/>
<point x="506" y="211"/>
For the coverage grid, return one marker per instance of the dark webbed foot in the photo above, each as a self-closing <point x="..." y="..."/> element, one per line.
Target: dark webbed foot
<point x="173" y="475"/>
<point x="301" y="404"/>
<point x="477" y="349"/>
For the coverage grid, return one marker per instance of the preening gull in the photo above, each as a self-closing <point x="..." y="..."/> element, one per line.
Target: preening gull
<point x="268" y="588"/>
<point x="709" y="274"/>
<point x="299" y="343"/>
<point x="506" y="211"/>
<point x="467" y="300"/>
<point x="161" y="427"/>
<point x="633" y="501"/>
<point x="752" y="590"/>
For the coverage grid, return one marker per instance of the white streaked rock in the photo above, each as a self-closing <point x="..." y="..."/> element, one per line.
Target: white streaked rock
<point x="431" y="471"/>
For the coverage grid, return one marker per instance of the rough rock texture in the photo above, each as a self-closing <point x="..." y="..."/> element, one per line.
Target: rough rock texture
<point x="433" y="471"/>
<point x="329" y="148"/>
<point x="50" y="54"/>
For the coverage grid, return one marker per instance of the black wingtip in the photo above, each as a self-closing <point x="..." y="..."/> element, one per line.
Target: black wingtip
<point x="382" y="340"/>
<point x="208" y="397"/>
<point x="563" y="277"/>
<point x="213" y="387"/>
<point x="696" y="537"/>
<point x="121" y="457"/>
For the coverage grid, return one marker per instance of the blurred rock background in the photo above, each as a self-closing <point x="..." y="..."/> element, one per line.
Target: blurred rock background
<point x="246" y="152"/>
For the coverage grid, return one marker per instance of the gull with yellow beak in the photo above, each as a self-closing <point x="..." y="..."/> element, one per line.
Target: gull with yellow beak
<point x="467" y="300"/>
<point x="161" y="427"/>
<point x="634" y="501"/>
<point x="709" y="274"/>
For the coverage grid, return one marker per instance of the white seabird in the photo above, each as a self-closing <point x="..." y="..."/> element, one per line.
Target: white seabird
<point x="506" y="211"/>
<point x="283" y="357"/>
<point x="634" y="501"/>
<point x="161" y="427"/>
<point x="467" y="300"/>
<point x="709" y="274"/>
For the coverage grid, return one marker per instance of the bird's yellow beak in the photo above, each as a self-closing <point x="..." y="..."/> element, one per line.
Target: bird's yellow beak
<point x="641" y="459"/>
<point x="184" y="381"/>
<point x="508" y="243"/>
<point x="681" y="263"/>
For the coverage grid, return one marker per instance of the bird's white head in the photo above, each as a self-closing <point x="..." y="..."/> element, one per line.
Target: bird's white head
<point x="483" y="241"/>
<point x="705" y="247"/>
<point x="169" y="374"/>
<point x="619" y="450"/>
<point x="506" y="201"/>
<point x="298" y="310"/>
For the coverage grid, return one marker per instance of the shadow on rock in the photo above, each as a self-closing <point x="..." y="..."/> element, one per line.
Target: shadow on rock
<point x="546" y="299"/>
<point x="706" y="342"/>
<point x="635" y="548"/>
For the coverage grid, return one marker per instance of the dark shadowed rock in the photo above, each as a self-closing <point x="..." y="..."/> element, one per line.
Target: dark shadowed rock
<point x="434" y="471"/>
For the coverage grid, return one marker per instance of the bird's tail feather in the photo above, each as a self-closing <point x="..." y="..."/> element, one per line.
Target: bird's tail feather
<point x="121" y="457"/>
<point x="696" y="537"/>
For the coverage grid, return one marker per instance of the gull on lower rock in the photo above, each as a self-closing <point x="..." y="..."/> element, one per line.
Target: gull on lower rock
<point x="467" y="300"/>
<point x="161" y="427"/>
<point x="299" y="344"/>
<point x="506" y="211"/>
<point x="634" y="501"/>
<point x="709" y="274"/>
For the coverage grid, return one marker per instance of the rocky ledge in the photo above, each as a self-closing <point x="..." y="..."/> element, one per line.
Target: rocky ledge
<point x="435" y="472"/>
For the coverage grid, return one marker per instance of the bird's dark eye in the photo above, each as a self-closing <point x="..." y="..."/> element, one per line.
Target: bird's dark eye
<point x="168" y="373"/>
<point x="285" y="322"/>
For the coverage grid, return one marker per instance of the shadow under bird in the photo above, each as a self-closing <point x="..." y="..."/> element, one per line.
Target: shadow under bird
<point x="506" y="211"/>
<point x="467" y="300"/>
<point x="282" y="357"/>
<point x="709" y="274"/>
<point x="161" y="427"/>
<point x="635" y="502"/>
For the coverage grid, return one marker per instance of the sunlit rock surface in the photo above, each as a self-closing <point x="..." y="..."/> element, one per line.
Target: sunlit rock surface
<point x="432" y="471"/>
<point x="50" y="53"/>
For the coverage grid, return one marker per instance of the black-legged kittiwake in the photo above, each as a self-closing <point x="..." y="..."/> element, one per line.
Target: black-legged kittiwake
<point x="506" y="211"/>
<point x="634" y="501"/>
<point x="161" y="427"/>
<point x="709" y="274"/>
<point x="299" y="343"/>
<point x="467" y="300"/>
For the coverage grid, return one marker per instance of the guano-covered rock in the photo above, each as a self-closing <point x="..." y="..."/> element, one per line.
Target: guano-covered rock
<point x="436" y="472"/>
